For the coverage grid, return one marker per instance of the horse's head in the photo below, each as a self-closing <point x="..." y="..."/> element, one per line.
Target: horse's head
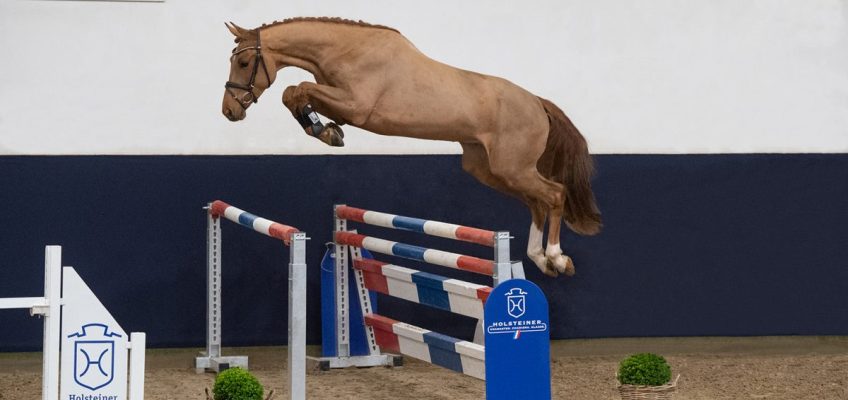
<point x="246" y="82"/>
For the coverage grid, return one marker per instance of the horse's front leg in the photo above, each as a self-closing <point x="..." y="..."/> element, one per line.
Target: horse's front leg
<point x="308" y="99"/>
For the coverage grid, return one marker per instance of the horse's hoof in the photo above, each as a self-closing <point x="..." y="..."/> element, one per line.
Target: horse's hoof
<point x="549" y="269"/>
<point x="542" y="263"/>
<point x="563" y="265"/>
<point x="569" y="267"/>
<point x="336" y="135"/>
<point x="332" y="135"/>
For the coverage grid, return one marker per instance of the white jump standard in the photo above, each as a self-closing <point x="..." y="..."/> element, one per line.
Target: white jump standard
<point x="212" y="359"/>
<point x="75" y="319"/>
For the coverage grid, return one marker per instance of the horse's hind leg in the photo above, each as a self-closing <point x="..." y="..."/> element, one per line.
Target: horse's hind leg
<point x="475" y="161"/>
<point x="553" y="251"/>
<point x="549" y="258"/>
<point x="308" y="99"/>
<point x="515" y="164"/>
<point x="535" y="251"/>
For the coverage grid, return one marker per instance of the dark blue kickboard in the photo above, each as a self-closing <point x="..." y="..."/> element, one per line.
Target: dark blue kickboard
<point x="358" y="343"/>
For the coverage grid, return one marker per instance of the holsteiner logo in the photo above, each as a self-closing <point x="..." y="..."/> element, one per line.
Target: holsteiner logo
<point x="515" y="302"/>
<point x="94" y="356"/>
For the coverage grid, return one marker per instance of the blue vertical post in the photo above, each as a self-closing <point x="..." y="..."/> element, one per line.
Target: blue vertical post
<point x="517" y="334"/>
<point x="358" y="340"/>
<point x="328" y="305"/>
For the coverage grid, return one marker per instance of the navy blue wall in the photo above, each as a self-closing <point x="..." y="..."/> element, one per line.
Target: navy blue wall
<point x="692" y="245"/>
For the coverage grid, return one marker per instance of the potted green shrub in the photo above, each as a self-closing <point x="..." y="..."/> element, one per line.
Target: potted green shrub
<point x="645" y="376"/>
<point x="236" y="384"/>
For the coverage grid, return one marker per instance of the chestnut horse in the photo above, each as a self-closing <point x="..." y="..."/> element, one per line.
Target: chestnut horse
<point x="372" y="77"/>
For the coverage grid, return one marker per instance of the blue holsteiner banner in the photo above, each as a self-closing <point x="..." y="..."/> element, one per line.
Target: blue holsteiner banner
<point x="518" y="360"/>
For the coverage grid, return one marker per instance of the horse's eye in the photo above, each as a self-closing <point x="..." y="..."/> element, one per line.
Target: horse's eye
<point x="243" y="64"/>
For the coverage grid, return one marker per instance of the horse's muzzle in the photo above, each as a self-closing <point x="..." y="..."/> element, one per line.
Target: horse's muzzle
<point x="233" y="116"/>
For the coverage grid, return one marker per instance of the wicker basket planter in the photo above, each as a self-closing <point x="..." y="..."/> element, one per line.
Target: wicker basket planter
<point x="636" y="392"/>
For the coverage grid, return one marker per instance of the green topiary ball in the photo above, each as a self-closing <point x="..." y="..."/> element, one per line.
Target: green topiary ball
<point x="236" y="384"/>
<point x="644" y="369"/>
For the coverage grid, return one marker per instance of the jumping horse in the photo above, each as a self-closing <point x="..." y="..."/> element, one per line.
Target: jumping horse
<point x="372" y="77"/>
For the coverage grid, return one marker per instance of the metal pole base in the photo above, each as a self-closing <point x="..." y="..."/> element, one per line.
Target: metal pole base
<point x="217" y="364"/>
<point x="328" y="363"/>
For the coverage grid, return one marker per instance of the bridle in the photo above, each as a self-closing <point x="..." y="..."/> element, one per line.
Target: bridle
<point x="248" y="96"/>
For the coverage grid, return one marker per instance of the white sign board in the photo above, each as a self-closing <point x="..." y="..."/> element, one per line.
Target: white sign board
<point x="94" y="346"/>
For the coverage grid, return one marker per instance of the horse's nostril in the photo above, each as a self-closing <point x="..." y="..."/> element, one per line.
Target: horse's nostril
<point x="228" y="113"/>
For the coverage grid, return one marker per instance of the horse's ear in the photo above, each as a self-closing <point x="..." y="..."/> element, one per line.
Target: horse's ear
<point x="236" y="30"/>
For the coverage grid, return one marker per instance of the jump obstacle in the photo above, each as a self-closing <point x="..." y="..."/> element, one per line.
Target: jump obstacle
<point x="88" y="335"/>
<point x="212" y="359"/>
<point x="504" y="364"/>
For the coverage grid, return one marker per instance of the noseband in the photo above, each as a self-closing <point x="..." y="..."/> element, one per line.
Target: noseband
<point x="248" y="96"/>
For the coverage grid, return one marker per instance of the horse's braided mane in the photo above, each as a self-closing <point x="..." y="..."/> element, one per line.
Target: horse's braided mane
<point x="334" y="20"/>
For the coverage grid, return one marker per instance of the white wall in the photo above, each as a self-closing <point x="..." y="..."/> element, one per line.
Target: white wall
<point x="652" y="76"/>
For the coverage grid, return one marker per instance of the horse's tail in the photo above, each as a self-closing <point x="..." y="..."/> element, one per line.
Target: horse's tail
<point x="566" y="160"/>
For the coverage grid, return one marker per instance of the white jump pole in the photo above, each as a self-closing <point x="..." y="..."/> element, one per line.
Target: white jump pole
<point x="138" y="342"/>
<point x="297" y="316"/>
<point x="52" y="327"/>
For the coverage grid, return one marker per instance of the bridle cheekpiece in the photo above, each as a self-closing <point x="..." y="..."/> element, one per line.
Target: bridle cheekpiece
<point x="248" y="96"/>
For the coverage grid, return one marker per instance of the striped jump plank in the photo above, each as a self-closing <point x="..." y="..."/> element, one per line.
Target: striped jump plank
<point x="432" y="347"/>
<point x="258" y="224"/>
<point x="433" y="290"/>
<point x="428" y="227"/>
<point x="432" y="256"/>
